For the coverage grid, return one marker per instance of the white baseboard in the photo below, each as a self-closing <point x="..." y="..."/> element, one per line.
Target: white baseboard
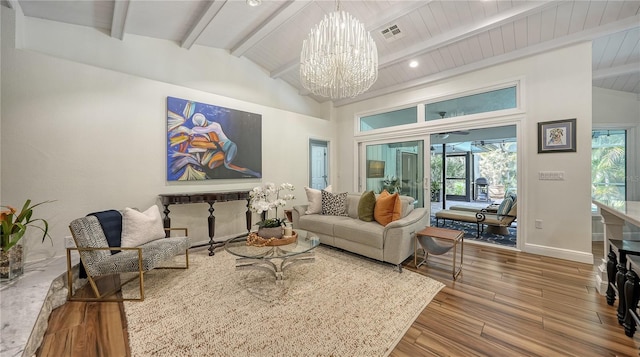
<point x="581" y="257"/>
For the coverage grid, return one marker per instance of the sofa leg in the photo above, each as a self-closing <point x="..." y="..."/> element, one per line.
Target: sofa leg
<point x="399" y="266"/>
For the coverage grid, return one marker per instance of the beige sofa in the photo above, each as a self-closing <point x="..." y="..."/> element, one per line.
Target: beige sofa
<point x="392" y="243"/>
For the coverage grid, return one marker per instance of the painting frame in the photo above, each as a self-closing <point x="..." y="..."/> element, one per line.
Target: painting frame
<point x="211" y="142"/>
<point x="557" y="136"/>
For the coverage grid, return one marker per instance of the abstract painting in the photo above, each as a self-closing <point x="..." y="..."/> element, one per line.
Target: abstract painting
<point x="205" y="142"/>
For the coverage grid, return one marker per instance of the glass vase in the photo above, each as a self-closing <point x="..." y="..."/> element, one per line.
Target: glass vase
<point x="12" y="262"/>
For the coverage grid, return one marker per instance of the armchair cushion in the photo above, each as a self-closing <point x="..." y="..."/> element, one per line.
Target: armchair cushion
<point x="153" y="253"/>
<point x="141" y="227"/>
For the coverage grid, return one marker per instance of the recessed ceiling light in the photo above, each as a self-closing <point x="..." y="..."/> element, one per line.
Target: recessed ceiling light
<point x="413" y="64"/>
<point x="254" y="3"/>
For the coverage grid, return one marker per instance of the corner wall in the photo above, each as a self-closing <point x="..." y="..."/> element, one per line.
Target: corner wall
<point x="93" y="139"/>
<point x="556" y="85"/>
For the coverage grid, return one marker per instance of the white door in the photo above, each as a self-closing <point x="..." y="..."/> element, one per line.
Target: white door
<point x="318" y="164"/>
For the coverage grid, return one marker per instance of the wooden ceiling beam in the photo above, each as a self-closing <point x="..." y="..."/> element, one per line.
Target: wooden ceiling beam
<point x="277" y="19"/>
<point x="205" y="19"/>
<point x="15" y="5"/>
<point x="119" y="19"/>
<point x="622" y="70"/>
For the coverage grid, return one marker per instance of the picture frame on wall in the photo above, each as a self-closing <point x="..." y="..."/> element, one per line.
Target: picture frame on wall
<point x="209" y="142"/>
<point x="557" y="136"/>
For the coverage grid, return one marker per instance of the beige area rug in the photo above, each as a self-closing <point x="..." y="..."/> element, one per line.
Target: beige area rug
<point x="340" y="305"/>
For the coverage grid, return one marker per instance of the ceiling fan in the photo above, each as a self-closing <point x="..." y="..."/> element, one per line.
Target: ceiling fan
<point x="455" y="132"/>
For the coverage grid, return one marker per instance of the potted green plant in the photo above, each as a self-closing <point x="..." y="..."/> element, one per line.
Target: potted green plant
<point x="265" y="198"/>
<point x="391" y="184"/>
<point x="13" y="226"/>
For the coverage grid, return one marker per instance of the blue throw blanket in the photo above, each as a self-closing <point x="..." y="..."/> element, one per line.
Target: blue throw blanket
<point x="111" y="222"/>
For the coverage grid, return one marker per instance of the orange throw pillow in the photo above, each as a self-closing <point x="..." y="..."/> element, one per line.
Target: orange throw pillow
<point x="388" y="208"/>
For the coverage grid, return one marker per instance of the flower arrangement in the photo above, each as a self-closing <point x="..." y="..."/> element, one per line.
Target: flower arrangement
<point x="267" y="197"/>
<point x="13" y="225"/>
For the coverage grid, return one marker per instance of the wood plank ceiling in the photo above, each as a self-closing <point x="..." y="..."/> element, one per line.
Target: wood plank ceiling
<point x="446" y="37"/>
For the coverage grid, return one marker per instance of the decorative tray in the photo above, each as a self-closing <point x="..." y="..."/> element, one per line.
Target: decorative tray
<point x="255" y="240"/>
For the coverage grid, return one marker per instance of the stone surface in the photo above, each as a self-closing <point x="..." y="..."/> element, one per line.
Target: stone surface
<point x="27" y="301"/>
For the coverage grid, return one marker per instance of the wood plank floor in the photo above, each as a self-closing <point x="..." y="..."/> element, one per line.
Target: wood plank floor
<point x="505" y="303"/>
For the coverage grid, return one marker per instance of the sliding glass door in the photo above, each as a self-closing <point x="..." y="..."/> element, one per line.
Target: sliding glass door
<point x="396" y="166"/>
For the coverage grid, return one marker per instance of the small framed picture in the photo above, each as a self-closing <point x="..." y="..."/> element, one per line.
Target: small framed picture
<point x="557" y="136"/>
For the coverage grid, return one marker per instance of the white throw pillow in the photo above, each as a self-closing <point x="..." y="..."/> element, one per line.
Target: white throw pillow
<point x="141" y="227"/>
<point x="315" y="200"/>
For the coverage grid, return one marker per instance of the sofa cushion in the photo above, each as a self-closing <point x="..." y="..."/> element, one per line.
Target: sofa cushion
<point x="315" y="200"/>
<point x="366" y="233"/>
<point x="366" y="206"/>
<point x="353" y="200"/>
<point x="141" y="227"/>
<point x="319" y="224"/>
<point x="334" y="204"/>
<point x="388" y="208"/>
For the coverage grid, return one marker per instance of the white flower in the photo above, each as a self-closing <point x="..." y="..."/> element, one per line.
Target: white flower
<point x="267" y="196"/>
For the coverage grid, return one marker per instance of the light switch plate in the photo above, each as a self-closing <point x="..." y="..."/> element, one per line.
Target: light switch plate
<point x="551" y="175"/>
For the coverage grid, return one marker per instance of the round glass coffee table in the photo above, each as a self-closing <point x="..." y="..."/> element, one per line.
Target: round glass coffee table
<point x="273" y="259"/>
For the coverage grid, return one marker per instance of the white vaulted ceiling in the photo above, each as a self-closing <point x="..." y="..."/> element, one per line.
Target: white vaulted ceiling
<point x="446" y="37"/>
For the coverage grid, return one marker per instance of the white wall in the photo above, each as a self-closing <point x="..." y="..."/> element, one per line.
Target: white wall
<point x="203" y="68"/>
<point x="556" y="85"/>
<point x="94" y="139"/>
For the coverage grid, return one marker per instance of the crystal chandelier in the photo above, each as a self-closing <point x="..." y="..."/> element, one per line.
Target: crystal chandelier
<point x="339" y="59"/>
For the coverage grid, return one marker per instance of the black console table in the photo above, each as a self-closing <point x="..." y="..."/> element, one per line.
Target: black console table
<point x="210" y="198"/>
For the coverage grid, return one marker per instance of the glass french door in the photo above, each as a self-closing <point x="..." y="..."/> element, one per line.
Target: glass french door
<point x="395" y="166"/>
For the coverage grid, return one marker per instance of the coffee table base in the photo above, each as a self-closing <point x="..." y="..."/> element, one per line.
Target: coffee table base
<point x="275" y="268"/>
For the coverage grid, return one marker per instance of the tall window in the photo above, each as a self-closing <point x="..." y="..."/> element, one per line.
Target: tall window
<point x="491" y="101"/>
<point x="608" y="165"/>
<point x="389" y="119"/>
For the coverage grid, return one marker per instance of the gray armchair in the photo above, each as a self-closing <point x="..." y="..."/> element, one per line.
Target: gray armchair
<point x="98" y="260"/>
